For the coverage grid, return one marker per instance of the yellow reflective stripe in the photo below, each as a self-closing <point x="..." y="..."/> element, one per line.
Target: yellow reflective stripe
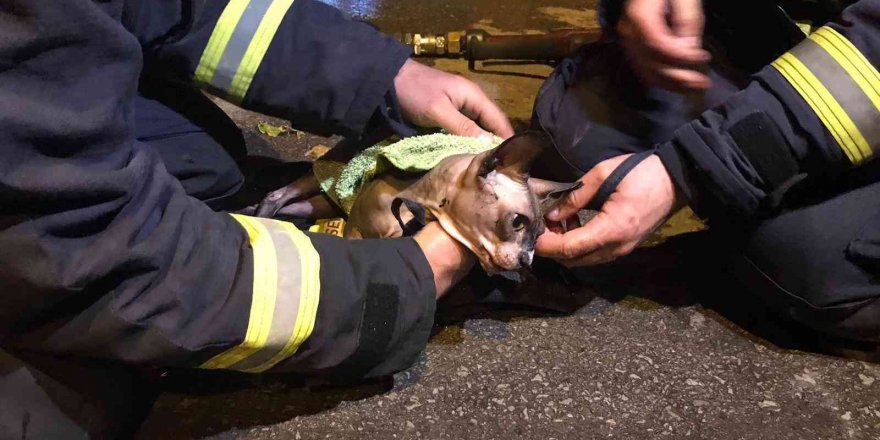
<point x="263" y="300"/>
<point x="310" y="293"/>
<point x="219" y="40"/>
<point x="241" y="82"/>
<point x="250" y="26"/>
<point x="852" y="60"/>
<point x="829" y="111"/>
<point x="272" y="336"/>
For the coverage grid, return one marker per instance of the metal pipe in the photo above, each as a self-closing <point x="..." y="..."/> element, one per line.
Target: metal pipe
<point x="478" y="45"/>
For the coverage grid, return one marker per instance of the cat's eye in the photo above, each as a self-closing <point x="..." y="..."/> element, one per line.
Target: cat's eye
<point x="519" y="222"/>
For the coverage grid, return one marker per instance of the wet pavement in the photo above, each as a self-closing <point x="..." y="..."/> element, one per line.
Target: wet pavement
<point x="660" y="344"/>
<point x="516" y="16"/>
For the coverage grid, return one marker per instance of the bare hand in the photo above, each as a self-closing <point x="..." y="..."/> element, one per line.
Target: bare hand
<point x="450" y="260"/>
<point x="431" y="98"/>
<point x="666" y="52"/>
<point x="643" y="201"/>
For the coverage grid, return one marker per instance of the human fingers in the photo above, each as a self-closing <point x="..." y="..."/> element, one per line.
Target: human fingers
<point x="687" y="19"/>
<point x="574" y="244"/>
<point x="576" y="200"/>
<point x="476" y="105"/>
<point x="673" y="78"/>
<point x="302" y="188"/>
<point x="452" y="120"/>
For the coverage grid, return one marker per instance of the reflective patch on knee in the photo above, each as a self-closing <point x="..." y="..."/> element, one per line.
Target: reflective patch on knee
<point x="758" y="137"/>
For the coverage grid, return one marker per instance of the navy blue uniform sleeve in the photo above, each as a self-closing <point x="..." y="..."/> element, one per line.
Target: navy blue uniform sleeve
<point x="103" y="254"/>
<point x="809" y="116"/>
<point x="300" y="60"/>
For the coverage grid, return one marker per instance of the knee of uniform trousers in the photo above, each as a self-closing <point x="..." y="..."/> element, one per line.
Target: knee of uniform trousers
<point x="52" y="398"/>
<point x="803" y="264"/>
<point x="198" y="143"/>
<point x="204" y="168"/>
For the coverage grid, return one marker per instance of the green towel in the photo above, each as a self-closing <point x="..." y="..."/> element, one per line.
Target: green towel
<point x="343" y="181"/>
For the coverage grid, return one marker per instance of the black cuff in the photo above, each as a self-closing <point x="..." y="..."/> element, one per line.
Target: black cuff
<point x="388" y="119"/>
<point x="415" y="317"/>
<point x="377" y="95"/>
<point x="760" y="140"/>
<point x="692" y="184"/>
<point x="679" y="170"/>
<point x="761" y="144"/>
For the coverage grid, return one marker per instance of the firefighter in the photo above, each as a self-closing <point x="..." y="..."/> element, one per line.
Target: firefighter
<point x="111" y="258"/>
<point x="782" y="167"/>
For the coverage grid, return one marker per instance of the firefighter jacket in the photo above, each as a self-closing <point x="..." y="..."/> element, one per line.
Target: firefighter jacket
<point x="102" y="253"/>
<point x="804" y="118"/>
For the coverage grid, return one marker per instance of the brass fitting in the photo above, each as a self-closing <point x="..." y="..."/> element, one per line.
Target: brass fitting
<point x="436" y="45"/>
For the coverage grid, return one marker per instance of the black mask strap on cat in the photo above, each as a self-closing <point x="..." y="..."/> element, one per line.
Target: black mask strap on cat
<point x="419" y="217"/>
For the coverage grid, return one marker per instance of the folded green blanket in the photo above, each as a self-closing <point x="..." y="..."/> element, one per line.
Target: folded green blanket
<point x="342" y="181"/>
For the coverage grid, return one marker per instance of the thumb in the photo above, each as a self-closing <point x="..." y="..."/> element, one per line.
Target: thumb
<point x="575" y="200"/>
<point x="576" y="243"/>
<point x="453" y="121"/>
<point x="675" y="41"/>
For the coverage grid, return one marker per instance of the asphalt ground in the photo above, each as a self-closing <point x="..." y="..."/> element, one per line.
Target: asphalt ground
<point x="659" y="345"/>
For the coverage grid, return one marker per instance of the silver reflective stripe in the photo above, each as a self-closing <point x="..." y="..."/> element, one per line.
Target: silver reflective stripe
<point x="285" y="296"/>
<point x="857" y="105"/>
<point x="287" y="301"/>
<point x="238" y="44"/>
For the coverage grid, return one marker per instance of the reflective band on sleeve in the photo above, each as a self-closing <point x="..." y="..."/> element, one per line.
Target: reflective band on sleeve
<point x="856" y="65"/>
<point x="841" y="87"/>
<point x="238" y="44"/>
<point x="218" y="40"/>
<point x="308" y="308"/>
<point x="826" y="107"/>
<point x="229" y="63"/>
<point x="285" y="300"/>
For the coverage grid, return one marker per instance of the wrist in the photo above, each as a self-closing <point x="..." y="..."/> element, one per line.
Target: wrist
<point x="403" y="74"/>
<point x="449" y="260"/>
